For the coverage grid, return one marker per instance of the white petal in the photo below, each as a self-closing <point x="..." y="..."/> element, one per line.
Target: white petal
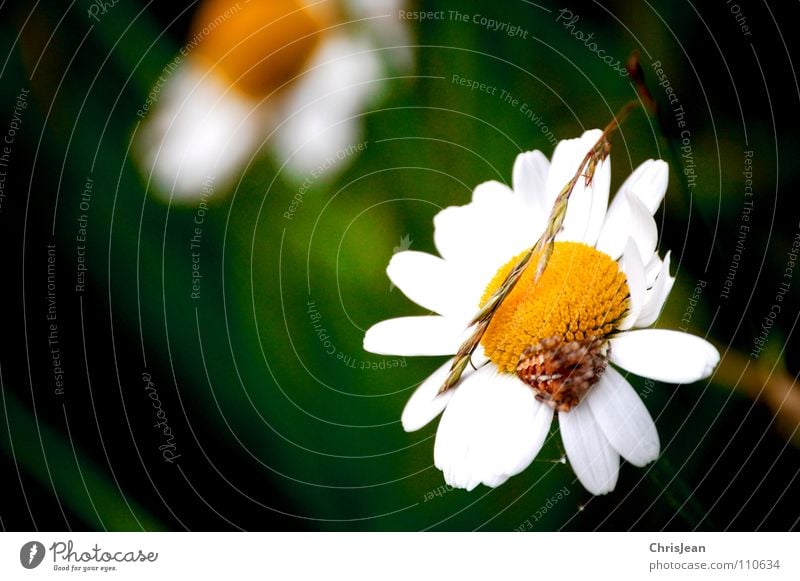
<point x="594" y="460"/>
<point x="430" y="282"/>
<point x="652" y="268"/>
<point x="387" y="33"/>
<point x="623" y="418"/>
<point x="530" y="182"/>
<point x="642" y="228"/>
<point x="631" y="265"/>
<point x="587" y="207"/>
<point x="492" y="195"/>
<point x="485" y="234"/>
<point x="664" y="355"/>
<point x="455" y="233"/>
<point x="656" y="296"/>
<point x="648" y="183"/>
<point x="200" y="129"/>
<point x="586" y="211"/>
<point x="320" y="109"/>
<point x="411" y="336"/>
<point x="615" y="233"/>
<point x="515" y="428"/>
<point x="453" y="437"/>
<point x="495" y="480"/>
<point x="492" y="429"/>
<point x="567" y="156"/>
<point x="426" y="403"/>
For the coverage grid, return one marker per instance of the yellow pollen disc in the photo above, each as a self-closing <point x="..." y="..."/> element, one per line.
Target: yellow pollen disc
<point x="581" y="294"/>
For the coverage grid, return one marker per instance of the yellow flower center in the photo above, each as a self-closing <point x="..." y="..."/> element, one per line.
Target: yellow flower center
<point x="261" y="45"/>
<point x="577" y="302"/>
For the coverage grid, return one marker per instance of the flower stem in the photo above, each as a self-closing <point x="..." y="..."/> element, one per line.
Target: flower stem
<point x="767" y="382"/>
<point x="543" y="248"/>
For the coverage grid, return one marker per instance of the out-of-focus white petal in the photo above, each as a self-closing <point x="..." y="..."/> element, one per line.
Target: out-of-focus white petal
<point x="587" y="207"/>
<point x="492" y="429"/>
<point x="664" y="355"/>
<point x="321" y="112"/>
<point x="388" y="31"/>
<point x="631" y="265"/>
<point x="594" y="460"/>
<point x="200" y="131"/>
<point x="656" y="296"/>
<point x="410" y="336"/>
<point x="623" y="418"/>
<point x="426" y="403"/>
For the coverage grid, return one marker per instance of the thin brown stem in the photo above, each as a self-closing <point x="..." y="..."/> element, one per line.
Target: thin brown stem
<point x="767" y="382"/>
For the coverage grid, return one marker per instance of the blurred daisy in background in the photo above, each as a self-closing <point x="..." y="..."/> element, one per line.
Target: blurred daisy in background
<point x="548" y="347"/>
<point x="291" y="76"/>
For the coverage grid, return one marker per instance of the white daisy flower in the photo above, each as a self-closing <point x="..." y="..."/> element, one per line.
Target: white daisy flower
<point x="548" y="347"/>
<point x="291" y="76"/>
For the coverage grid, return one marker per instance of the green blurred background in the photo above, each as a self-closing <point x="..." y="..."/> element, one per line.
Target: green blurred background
<point x="276" y="429"/>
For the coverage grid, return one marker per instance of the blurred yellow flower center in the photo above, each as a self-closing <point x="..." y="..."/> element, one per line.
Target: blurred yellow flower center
<point x="257" y="47"/>
<point x="580" y="297"/>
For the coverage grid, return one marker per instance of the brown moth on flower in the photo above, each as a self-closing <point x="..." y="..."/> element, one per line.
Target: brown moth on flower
<point x="562" y="372"/>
